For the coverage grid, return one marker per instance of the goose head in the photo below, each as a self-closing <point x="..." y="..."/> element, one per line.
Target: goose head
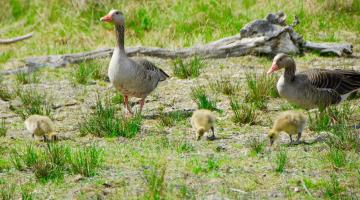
<point x="280" y="61"/>
<point x="114" y="16"/>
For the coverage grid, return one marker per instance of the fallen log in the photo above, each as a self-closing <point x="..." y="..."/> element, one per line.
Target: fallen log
<point x="15" y="39"/>
<point x="265" y="36"/>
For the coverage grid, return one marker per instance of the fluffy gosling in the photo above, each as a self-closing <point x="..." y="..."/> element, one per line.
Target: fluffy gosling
<point x="41" y="126"/>
<point x="202" y="121"/>
<point x="290" y="122"/>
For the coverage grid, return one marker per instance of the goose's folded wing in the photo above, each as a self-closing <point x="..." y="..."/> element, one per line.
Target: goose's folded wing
<point x="151" y="68"/>
<point x="341" y="81"/>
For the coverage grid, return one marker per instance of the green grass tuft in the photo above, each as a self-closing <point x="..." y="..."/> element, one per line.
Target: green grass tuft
<point x="5" y="93"/>
<point x="105" y="123"/>
<point x="337" y="157"/>
<point x="33" y="102"/>
<point x="187" y="69"/>
<point x="171" y="118"/>
<point x="332" y="189"/>
<point x="184" y="147"/>
<point x="155" y="181"/>
<point x="27" y="78"/>
<point x="199" y="96"/>
<point x="3" y="128"/>
<point x="260" y="88"/>
<point x="224" y="86"/>
<point x="281" y="160"/>
<point x="87" y="161"/>
<point x="256" y="145"/>
<point x="7" y="191"/>
<point x="244" y="113"/>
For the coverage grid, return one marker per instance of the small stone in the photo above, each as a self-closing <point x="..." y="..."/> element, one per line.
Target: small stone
<point x="296" y="189"/>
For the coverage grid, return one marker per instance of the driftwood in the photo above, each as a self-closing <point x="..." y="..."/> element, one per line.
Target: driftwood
<point x="16" y="39"/>
<point x="267" y="36"/>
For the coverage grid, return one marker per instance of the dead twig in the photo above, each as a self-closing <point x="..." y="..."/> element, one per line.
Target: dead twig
<point x="16" y="39"/>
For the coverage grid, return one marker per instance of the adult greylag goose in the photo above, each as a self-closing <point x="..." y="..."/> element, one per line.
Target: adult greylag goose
<point x="131" y="78"/>
<point x="313" y="88"/>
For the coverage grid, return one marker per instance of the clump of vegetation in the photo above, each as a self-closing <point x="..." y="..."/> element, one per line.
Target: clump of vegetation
<point x="184" y="147"/>
<point x="53" y="161"/>
<point x="187" y="69"/>
<point x="244" y="113"/>
<point x="85" y="71"/>
<point x="87" y="161"/>
<point x="260" y="88"/>
<point x="256" y="145"/>
<point x="155" y="181"/>
<point x="343" y="138"/>
<point x="171" y="118"/>
<point x="337" y="157"/>
<point x="224" y="86"/>
<point x="33" y="102"/>
<point x="4" y="165"/>
<point x="27" y="78"/>
<point x="281" y="160"/>
<point x="332" y="116"/>
<point x="198" y="94"/>
<point x="104" y="122"/>
<point x="3" y="128"/>
<point x="7" y="191"/>
<point x="332" y="189"/>
<point x="5" y="93"/>
<point x="212" y="164"/>
<point x="118" y="98"/>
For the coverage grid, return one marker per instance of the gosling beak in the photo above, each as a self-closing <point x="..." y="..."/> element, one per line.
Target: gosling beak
<point x="274" y="67"/>
<point x="271" y="142"/>
<point x="106" y="18"/>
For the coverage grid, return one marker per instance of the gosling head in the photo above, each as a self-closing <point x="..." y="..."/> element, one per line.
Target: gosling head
<point x="199" y="133"/>
<point x="281" y="61"/>
<point x="273" y="135"/>
<point x="114" y="16"/>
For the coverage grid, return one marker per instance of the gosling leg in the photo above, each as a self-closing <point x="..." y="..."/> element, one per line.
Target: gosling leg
<point x="212" y="137"/>
<point x="298" y="137"/>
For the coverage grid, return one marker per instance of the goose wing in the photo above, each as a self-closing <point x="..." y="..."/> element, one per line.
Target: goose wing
<point x="341" y="81"/>
<point x="152" y="69"/>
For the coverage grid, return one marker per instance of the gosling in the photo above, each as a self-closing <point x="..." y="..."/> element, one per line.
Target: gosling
<point x="41" y="126"/>
<point x="203" y="121"/>
<point x="290" y="122"/>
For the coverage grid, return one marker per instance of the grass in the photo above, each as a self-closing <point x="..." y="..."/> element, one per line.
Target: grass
<point x="87" y="161"/>
<point x="244" y="113"/>
<point x="332" y="188"/>
<point x="281" y="160"/>
<point x="188" y="68"/>
<point x="27" y="78"/>
<point x="260" y="88"/>
<point x="212" y="164"/>
<point x="5" y="93"/>
<point x="224" y="86"/>
<point x="54" y="160"/>
<point x="184" y="147"/>
<point x="202" y="100"/>
<point x="7" y="191"/>
<point x="343" y="138"/>
<point x="256" y="145"/>
<point x="155" y="181"/>
<point x="105" y="123"/>
<point x="171" y="118"/>
<point x="85" y="71"/>
<point x="33" y="102"/>
<point x="118" y="98"/>
<point x="337" y="157"/>
<point x="3" y="128"/>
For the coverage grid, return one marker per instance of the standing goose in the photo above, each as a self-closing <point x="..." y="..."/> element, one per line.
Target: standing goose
<point x="133" y="79"/>
<point x="316" y="87"/>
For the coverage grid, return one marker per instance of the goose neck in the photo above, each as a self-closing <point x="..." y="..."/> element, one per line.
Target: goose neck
<point x="289" y="73"/>
<point x="120" y="31"/>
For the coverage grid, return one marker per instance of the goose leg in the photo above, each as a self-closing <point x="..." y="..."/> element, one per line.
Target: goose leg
<point x="212" y="137"/>
<point x="126" y="104"/>
<point x="142" y="102"/>
<point x="291" y="140"/>
<point x="298" y="137"/>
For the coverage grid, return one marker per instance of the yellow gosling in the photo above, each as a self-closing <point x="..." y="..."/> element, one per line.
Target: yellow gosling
<point x="290" y="122"/>
<point x="203" y="121"/>
<point x="41" y="126"/>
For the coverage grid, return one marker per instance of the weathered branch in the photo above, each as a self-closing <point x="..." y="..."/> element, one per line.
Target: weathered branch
<point x="16" y="39"/>
<point x="329" y="48"/>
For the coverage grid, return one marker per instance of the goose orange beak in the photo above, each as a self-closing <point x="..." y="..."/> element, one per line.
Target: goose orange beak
<point x="106" y="18"/>
<point x="274" y="67"/>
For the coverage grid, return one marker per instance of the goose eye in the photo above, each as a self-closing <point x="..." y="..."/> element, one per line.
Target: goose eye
<point x="117" y="13"/>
